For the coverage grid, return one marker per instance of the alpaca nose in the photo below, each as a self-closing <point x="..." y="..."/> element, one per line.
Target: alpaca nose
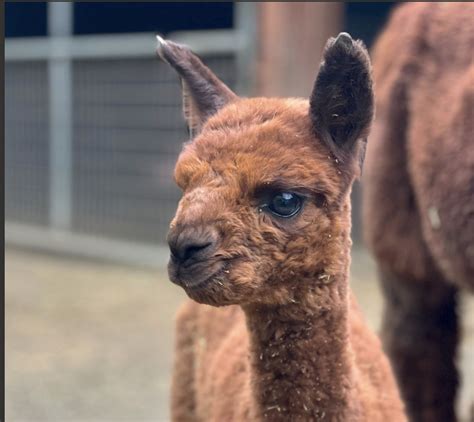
<point x="192" y="244"/>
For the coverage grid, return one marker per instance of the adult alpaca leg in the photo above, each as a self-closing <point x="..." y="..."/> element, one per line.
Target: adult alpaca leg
<point x="420" y="335"/>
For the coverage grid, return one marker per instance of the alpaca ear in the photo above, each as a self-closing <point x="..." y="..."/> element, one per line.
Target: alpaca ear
<point x="342" y="101"/>
<point x="203" y="93"/>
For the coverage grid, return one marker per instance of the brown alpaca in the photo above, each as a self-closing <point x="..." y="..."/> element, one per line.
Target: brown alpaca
<point x="263" y="226"/>
<point x="419" y="195"/>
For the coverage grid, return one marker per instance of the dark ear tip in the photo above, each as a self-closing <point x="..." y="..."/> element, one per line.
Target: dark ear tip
<point x="169" y="51"/>
<point x="344" y="39"/>
<point x="344" y="46"/>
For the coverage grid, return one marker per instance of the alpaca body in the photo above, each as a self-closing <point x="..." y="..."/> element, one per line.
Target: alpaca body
<point x="419" y="195"/>
<point x="263" y="227"/>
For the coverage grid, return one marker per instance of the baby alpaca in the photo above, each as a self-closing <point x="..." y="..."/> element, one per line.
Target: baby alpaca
<point x="263" y="227"/>
<point x="419" y="195"/>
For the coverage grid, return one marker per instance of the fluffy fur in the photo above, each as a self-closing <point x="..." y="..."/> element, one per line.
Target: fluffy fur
<point x="291" y="344"/>
<point x="419" y="195"/>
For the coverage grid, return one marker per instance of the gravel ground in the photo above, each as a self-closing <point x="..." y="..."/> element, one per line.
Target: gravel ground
<point x="88" y="341"/>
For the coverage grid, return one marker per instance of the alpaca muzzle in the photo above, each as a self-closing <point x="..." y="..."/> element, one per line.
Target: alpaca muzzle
<point x="192" y="250"/>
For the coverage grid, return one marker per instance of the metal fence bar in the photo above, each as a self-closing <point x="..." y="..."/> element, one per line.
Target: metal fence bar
<point x="60" y="103"/>
<point x="85" y="246"/>
<point x="60" y="19"/>
<point x="246" y="24"/>
<point x="118" y="46"/>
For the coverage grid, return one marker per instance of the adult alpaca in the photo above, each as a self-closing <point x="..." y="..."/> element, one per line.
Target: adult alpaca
<point x="263" y="226"/>
<point x="419" y="195"/>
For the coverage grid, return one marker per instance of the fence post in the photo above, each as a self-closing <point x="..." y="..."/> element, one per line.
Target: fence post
<point x="60" y="21"/>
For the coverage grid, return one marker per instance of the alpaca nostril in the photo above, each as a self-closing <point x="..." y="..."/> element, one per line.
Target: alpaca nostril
<point x="192" y="245"/>
<point x="191" y="251"/>
<point x="188" y="251"/>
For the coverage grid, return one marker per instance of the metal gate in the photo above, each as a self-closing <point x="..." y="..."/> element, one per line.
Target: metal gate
<point x="90" y="149"/>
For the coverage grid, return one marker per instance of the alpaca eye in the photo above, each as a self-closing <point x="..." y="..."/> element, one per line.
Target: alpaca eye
<point x="285" y="204"/>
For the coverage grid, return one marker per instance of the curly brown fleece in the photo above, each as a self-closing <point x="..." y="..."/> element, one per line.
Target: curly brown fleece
<point x="290" y="345"/>
<point x="419" y="195"/>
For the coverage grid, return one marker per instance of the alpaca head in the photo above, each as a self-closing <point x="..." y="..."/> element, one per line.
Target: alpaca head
<point x="266" y="182"/>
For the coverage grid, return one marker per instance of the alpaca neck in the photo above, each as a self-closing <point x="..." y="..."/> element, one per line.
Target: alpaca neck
<point x="300" y="353"/>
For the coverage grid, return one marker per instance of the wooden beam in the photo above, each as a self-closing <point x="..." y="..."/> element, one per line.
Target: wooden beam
<point x="291" y="38"/>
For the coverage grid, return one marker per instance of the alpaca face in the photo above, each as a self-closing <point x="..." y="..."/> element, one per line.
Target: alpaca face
<point x="261" y="201"/>
<point x="265" y="185"/>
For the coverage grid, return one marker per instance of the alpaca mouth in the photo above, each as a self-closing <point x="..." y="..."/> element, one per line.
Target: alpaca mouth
<point x="192" y="285"/>
<point x="196" y="277"/>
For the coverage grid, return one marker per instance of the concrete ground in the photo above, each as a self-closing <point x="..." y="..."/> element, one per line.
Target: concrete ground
<point x="88" y="341"/>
